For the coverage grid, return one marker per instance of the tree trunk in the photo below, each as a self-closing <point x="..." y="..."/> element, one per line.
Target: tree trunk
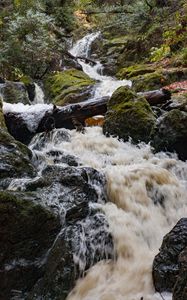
<point x="62" y="116"/>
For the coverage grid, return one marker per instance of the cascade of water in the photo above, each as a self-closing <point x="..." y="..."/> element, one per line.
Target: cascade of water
<point x="147" y="194"/>
<point x="106" y="84"/>
<point x="39" y="95"/>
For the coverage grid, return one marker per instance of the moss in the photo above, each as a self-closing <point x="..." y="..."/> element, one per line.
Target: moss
<point x="129" y="116"/>
<point x="135" y="70"/>
<point x="26" y="80"/>
<point x="147" y="82"/>
<point x="63" y="84"/>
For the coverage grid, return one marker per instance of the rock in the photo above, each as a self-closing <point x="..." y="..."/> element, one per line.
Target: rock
<point x="14" y="92"/>
<point x="171" y="133"/>
<point x="84" y="239"/>
<point x="69" y="86"/>
<point x="27" y="232"/>
<point x="30" y="86"/>
<point x="145" y="77"/>
<point x="15" y="158"/>
<point x="135" y="70"/>
<point x="149" y="81"/>
<point x="170" y="260"/>
<point x="129" y="115"/>
<point x="78" y="247"/>
<point x="180" y="288"/>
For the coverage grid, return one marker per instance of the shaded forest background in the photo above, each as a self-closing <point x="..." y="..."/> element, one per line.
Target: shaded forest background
<point x="35" y="34"/>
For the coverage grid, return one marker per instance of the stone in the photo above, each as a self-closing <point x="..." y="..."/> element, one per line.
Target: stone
<point x="180" y="288"/>
<point x="27" y="232"/>
<point x="69" y="86"/>
<point x="166" y="265"/>
<point x="14" y="92"/>
<point x="129" y="116"/>
<point x="171" y="133"/>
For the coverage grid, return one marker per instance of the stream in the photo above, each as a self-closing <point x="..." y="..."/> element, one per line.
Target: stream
<point x="146" y="192"/>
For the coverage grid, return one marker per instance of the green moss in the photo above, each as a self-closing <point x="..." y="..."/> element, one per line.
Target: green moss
<point x="63" y="84"/>
<point x="148" y="82"/>
<point x="26" y="80"/>
<point x="135" y="70"/>
<point x="129" y="116"/>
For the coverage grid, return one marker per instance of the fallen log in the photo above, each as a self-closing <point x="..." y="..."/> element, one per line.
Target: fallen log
<point x="87" y="60"/>
<point x="18" y="127"/>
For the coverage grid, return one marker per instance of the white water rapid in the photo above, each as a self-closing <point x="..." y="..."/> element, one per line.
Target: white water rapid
<point x="147" y="196"/>
<point x="106" y="84"/>
<point x="39" y="95"/>
<point x="146" y="193"/>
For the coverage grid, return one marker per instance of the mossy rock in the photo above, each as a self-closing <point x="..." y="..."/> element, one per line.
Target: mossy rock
<point x="175" y="74"/>
<point x="135" y="70"/>
<point x="171" y="133"/>
<point x="15" y="92"/>
<point x="27" y="231"/>
<point x="129" y="115"/>
<point x="15" y="157"/>
<point x="148" y="82"/>
<point x="69" y="86"/>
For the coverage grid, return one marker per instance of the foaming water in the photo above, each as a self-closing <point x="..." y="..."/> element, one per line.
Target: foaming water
<point x="106" y="84"/>
<point x="147" y="198"/>
<point x="39" y="95"/>
<point x="32" y="114"/>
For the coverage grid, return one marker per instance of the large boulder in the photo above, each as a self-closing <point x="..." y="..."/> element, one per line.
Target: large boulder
<point x="15" y="158"/>
<point x="129" y="115"/>
<point x="71" y="234"/>
<point x="27" y="232"/>
<point x="180" y="288"/>
<point x="171" y="133"/>
<point x="167" y="263"/>
<point x="69" y="86"/>
<point x="14" y="92"/>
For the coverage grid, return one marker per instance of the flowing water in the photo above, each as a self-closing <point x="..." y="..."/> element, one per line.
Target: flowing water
<point x="147" y="196"/>
<point x="39" y="95"/>
<point x="106" y="84"/>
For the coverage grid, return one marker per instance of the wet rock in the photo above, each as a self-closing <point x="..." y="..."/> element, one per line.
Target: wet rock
<point x="14" y="92"/>
<point x="15" y="158"/>
<point x="129" y="115"/>
<point x="27" y="232"/>
<point x="170" y="260"/>
<point x="74" y="194"/>
<point x="78" y="247"/>
<point x="69" y="86"/>
<point x="171" y="133"/>
<point x="18" y="127"/>
<point x="180" y="288"/>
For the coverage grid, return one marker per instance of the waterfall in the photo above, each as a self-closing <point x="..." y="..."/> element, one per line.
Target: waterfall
<point x="146" y="192"/>
<point x="147" y="197"/>
<point x="39" y="95"/>
<point x="106" y="84"/>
